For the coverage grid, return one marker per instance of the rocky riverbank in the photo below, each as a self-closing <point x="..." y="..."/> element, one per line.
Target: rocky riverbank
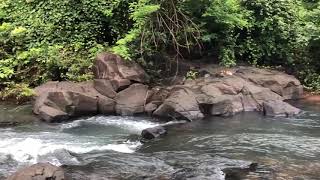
<point x="121" y="87"/>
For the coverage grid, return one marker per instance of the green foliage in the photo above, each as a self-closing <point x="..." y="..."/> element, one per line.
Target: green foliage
<point x="17" y="92"/>
<point x="192" y="75"/>
<point x="58" y="39"/>
<point x="141" y="12"/>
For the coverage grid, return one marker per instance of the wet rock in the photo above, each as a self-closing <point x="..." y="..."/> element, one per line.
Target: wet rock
<point x="59" y="156"/>
<point x="154" y="132"/>
<point x="106" y="105"/>
<point x="132" y="100"/>
<point x="82" y="104"/>
<point x="181" y="104"/>
<point x="249" y="103"/>
<point x="158" y="131"/>
<point x="208" y="167"/>
<point x="279" y="108"/>
<point x="150" y="108"/>
<point x="243" y="89"/>
<point x="227" y="105"/>
<point x="194" y="174"/>
<point x="50" y="114"/>
<point x="40" y="171"/>
<point x="113" y="67"/>
<point x="59" y="100"/>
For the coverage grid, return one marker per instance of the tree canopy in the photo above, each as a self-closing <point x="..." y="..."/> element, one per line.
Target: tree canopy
<point x="58" y="39"/>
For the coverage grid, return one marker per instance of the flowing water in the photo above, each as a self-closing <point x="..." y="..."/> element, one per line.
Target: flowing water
<point x="109" y="147"/>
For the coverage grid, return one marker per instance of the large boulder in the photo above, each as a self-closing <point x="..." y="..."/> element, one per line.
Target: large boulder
<point x="181" y="103"/>
<point x="119" y="89"/>
<point x="153" y="132"/>
<point x="40" y="171"/>
<point x="243" y="89"/>
<point x="58" y="101"/>
<point x="105" y="87"/>
<point x="132" y="100"/>
<point x="279" y="108"/>
<point x="227" y="105"/>
<point x="50" y="114"/>
<point x="112" y="67"/>
<point x="283" y="84"/>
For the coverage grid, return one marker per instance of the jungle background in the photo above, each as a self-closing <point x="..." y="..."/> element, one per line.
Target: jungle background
<point x="59" y="39"/>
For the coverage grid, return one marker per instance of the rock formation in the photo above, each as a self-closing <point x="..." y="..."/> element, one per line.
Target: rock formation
<point x="120" y="87"/>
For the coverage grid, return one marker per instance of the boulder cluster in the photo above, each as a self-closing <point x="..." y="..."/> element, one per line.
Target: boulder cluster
<point x="121" y="88"/>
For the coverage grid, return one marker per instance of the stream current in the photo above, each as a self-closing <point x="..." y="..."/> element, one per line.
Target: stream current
<point x="108" y="147"/>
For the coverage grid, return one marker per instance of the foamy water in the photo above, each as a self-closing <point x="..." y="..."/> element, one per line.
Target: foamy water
<point x="132" y="124"/>
<point x="57" y="144"/>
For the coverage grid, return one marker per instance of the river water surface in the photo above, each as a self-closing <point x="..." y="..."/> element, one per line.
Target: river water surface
<point x="109" y="147"/>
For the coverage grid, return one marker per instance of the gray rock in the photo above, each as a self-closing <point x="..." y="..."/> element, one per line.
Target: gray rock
<point x="150" y="108"/>
<point x="106" y="105"/>
<point x="82" y="104"/>
<point x="154" y="132"/>
<point x="283" y="84"/>
<point x="59" y="100"/>
<point x="110" y="66"/>
<point x="50" y="114"/>
<point x="227" y="105"/>
<point x="181" y="103"/>
<point x="40" y="171"/>
<point x="243" y="89"/>
<point x="279" y="108"/>
<point x="105" y="87"/>
<point x="120" y="84"/>
<point x="158" y="131"/>
<point x="132" y="100"/>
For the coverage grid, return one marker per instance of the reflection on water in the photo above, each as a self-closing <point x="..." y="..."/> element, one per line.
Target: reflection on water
<point x="100" y="147"/>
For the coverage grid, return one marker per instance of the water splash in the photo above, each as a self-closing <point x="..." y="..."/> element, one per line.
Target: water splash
<point x="132" y="124"/>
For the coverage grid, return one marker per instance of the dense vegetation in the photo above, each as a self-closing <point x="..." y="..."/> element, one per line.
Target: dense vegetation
<point x="58" y="39"/>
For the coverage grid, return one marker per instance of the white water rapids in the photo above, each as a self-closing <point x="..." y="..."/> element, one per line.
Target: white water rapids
<point x="56" y="144"/>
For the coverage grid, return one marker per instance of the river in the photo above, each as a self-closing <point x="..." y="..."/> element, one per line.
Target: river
<point x="109" y="147"/>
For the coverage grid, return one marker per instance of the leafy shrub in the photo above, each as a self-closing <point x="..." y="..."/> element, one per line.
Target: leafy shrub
<point x="58" y="39"/>
<point x="55" y="40"/>
<point x="17" y="92"/>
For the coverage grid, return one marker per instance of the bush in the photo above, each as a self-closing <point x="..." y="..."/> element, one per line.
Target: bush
<point x="58" y="39"/>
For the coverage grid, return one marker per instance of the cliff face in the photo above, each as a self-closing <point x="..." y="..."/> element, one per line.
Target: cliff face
<point x="120" y="87"/>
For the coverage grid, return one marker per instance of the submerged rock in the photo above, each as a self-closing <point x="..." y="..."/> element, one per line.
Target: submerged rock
<point x="154" y="132"/>
<point x="158" y="131"/>
<point x="40" y="171"/>
<point x="173" y="165"/>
